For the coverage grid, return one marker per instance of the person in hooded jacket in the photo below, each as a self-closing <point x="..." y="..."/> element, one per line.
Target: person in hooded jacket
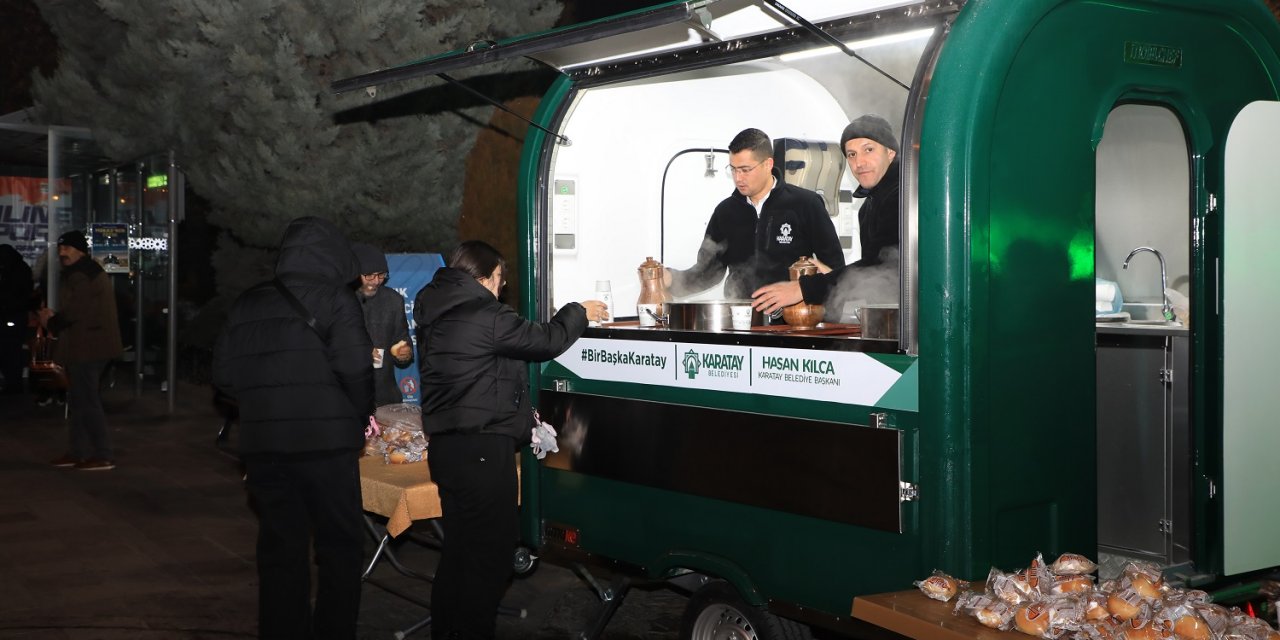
<point x="303" y="382"/>
<point x="384" y="318"/>
<point x="871" y="150"/>
<point x="474" y="354"/>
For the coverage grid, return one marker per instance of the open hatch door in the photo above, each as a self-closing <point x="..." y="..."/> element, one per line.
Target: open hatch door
<point x="1250" y="305"/>
<point x="580" y="50"/>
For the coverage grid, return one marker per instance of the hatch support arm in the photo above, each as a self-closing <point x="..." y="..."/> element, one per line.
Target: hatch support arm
<point x="816" y="30"/>
<point x="457" y="83"/>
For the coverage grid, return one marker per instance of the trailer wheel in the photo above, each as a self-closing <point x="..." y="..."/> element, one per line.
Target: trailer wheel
<point x="523" y="561"/>
<point x="717" y="612"/>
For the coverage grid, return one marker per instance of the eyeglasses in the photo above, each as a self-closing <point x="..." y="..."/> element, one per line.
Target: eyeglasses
<point x="375" y="276"/>
<point x="741" y="171"/>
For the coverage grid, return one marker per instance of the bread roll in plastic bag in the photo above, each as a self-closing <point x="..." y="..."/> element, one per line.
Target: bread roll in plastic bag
<point x="940" y="586"/>
<point x="401" y="435"/>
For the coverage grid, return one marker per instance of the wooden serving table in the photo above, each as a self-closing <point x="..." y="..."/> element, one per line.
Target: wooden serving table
<point x="401" y="493"/>
<point x="912" y="614"/>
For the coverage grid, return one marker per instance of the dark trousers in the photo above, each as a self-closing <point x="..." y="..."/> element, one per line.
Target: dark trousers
<point x="308" y="501"/>
<point x="87" y="431"/>
<point x="11" y="360"/>
<point x="476" y="475"/>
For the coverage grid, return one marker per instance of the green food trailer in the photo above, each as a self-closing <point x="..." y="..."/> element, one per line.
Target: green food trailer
<point x="780" y="473"/>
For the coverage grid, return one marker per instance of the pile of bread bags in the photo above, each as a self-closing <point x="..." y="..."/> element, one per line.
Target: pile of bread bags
<point x="1062" y="601"/>
<point x="397" y="434"/>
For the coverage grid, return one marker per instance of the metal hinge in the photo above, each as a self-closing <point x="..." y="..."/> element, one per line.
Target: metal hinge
<point x="907" y="492"/>
<point x="880" y="420"/>
<point x="1213" y="489"/>
<point x="1166" y="376"/>
<point x="1213" y="203"/>
<point x="1166" y="526"/>
<point x="562" y="385"/>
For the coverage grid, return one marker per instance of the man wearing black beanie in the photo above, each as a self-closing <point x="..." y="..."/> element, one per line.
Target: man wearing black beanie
<point x="88" y="338"/>
<point x="871" y="150"/>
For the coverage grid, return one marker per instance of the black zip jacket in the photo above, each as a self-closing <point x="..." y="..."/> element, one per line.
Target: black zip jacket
<point x="878" y="229"/>
<point x="757" y="251"/>
<point x="473" y="355"/>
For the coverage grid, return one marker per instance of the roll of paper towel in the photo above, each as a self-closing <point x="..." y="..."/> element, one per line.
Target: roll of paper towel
<point x="1107" y="298"/>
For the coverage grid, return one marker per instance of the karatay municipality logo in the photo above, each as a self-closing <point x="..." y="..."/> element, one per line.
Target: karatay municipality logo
<point x="785" y="236"/>
<point x="692" y="363"/>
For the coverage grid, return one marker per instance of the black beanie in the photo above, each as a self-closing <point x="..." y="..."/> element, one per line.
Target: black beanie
<point x="872" y="127"/>
<point x="75" y="240"/>
<point x="370" y="258"/>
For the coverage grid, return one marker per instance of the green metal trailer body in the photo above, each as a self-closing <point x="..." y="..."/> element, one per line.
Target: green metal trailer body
<point x="978" y="447"/>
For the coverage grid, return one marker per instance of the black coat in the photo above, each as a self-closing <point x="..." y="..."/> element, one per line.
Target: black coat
<point x="473" y="355"/>
<point x="878" y="229"/>
<point x="758" y="250"/>
<point x="296" y="391"/>
<point x="384" y="318"/>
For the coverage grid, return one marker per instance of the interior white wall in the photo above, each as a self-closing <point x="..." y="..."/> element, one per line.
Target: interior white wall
<point x="622" y="139"/>
<point x="1143" y="199"/>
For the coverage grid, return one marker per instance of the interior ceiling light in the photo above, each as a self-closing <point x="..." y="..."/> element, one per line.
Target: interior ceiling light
<point x="905" y="36"/>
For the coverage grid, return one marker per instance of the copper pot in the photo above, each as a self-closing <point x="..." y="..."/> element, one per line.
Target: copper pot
<point x="801" y="315"/>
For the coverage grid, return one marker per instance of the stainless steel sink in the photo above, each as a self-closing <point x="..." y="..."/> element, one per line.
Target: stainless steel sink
<point x="1145" y="313"/>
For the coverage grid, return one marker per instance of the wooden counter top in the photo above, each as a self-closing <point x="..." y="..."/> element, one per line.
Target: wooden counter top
<point x="914" y="615"/>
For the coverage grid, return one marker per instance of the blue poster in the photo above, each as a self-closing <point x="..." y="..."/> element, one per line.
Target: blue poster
<point x="408" y="273"/>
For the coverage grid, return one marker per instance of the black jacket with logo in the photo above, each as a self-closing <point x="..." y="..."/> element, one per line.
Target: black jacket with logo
<point x="473" y="355"/>
<point x="299" y="392"/>
<point x="757" y="251"/>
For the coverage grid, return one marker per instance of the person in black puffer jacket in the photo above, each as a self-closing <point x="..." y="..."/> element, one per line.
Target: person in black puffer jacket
<point x="305" y="395"/>
<point x="473" y="359"/>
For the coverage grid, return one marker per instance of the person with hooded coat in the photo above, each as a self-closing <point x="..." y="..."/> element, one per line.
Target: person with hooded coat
<point x="474" y="354"/>
<point x="294" y="355"/>
<point x="384" y="318"/>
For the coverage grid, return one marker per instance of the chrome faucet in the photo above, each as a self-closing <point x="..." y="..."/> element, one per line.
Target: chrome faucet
<point x="1166" y="307"/>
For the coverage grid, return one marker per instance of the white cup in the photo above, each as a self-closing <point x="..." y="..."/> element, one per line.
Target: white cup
<point x="377" y="358"/>
<point x="648" y="314"/>
<point x="604" y="293"/>
<point x="741" y="316"/>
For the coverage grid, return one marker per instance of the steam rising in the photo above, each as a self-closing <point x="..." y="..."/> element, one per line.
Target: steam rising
<point x="859" y="286"/>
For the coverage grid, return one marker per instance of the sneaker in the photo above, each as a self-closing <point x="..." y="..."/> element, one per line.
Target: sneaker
<point x="44" y="402"/>
<point x="65" y="461"/>
<point x="96" y="464"/>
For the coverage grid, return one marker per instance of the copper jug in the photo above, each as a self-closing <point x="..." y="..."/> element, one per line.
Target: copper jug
<point x="801" y="315"/>
<point x="651" y="305"/>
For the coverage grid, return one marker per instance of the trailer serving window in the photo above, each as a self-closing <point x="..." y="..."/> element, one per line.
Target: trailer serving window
<point x="641" y="163"/>
<point x="639" y="125"/>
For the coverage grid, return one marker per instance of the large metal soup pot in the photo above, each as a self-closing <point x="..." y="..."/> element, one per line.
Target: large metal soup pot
<point x="707" y="315"/>
<point x="879" y="321"/>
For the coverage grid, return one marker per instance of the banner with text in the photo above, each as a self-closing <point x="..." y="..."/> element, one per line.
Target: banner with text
<point x="846" y="377"/>
<point x="24" y="218"/>
<point x="408" y="273"/>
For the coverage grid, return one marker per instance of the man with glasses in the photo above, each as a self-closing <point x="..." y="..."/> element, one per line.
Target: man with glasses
<point x="758" y="231"/>
<point x="871" y="150"/>
<point x="384" y="317"/>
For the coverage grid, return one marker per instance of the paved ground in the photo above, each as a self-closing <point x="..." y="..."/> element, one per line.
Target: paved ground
<point x="162" y="547"/>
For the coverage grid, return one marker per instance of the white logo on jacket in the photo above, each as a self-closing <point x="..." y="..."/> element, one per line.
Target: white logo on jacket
<point x="785" y="236"/>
